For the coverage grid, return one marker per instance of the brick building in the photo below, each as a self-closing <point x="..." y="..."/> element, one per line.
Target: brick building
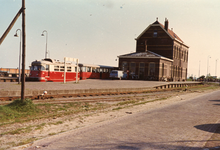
<point x="160" y="55"/>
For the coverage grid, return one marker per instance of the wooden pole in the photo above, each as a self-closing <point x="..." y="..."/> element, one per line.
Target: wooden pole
<point x="23" y="52"/>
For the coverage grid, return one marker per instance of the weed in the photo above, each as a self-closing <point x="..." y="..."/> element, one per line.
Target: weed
<point x="11" y="144"/>
<point x="19" y="131"/>
<point x="126" y="102"/>
<point x="117" y="108"/>
<point x="40" y="126"/>
<point x="26" y="141"/>
<point x="58" y="122"/>
<point x="52" y="134"/>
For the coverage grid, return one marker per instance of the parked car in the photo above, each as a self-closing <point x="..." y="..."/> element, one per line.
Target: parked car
<point x="117" y="74"/>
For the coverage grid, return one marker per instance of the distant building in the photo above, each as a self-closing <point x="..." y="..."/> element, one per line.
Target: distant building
<point x="12" y="72"/>
<point x="160" y="55"/>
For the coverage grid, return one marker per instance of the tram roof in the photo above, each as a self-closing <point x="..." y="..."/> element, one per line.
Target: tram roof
<point x="88" y="65"/>
<point x="109" y="67"/>
<point x="50" y="61"/>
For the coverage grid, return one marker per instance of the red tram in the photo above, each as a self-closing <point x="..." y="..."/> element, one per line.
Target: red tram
<point x="94" y="71"/>
<point x="51" y="70"/>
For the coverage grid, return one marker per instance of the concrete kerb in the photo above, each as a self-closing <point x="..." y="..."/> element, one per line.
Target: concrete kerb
<point x="176" y="85"/>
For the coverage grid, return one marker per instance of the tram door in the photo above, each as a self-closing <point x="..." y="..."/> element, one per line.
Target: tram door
<point x="47" y="76"/>
<point x="100" y="70"/>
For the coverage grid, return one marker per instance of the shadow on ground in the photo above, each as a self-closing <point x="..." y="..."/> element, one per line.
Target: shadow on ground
<point x="123" y="145"/>
<point x="208" y="127"/>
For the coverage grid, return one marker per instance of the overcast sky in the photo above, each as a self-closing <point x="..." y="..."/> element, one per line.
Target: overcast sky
<point x="97" y="31"/>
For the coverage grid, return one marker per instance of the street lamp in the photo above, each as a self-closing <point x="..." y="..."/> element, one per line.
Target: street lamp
<point x="46" y="52"/>
<point x="19" y="66"/>
<point x="216" y="68"/>
<point x="208" y="65"/>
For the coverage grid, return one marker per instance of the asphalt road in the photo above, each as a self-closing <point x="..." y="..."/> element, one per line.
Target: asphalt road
<point x="187" y="124"/>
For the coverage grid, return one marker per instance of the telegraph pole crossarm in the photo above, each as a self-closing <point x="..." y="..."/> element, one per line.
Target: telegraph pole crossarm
<point x="10" y="26"/>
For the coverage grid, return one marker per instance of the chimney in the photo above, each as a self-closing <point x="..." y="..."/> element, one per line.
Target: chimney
<point x="166" y="24"/>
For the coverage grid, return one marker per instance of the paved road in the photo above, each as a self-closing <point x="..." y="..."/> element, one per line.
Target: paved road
<point x="187" y="124"/>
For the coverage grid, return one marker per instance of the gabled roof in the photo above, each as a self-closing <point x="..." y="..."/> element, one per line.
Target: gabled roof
<point x="173" y="35"/>
<point x="171" y="32"/>
<point x="147" y="54"/>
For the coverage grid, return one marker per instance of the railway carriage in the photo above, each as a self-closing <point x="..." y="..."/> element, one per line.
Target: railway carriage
<point x="51" y="70"/>
<point x="105" y="71"/>
<point x="88" y="71"/>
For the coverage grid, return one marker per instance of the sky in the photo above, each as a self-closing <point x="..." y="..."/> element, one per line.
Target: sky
<point x="97" y="31"/>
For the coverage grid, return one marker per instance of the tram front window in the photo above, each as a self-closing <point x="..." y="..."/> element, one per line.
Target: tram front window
<point x="39" y="68"/>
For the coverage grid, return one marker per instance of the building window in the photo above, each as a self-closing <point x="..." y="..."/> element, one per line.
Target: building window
<point x="186" y="56"/>
<point x="124" y="66"/>
<point x="162" y="69"/>
<point x="151" y="71"/>
<point x="155" y="34"/>
<point x="181" y="72"/>
<point x="141" y="70"/>
<point x="132" y="68"/>
<point x="145" y="45"/>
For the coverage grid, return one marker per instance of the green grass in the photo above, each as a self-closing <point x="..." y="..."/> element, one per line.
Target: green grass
<point x="52" y="134"/>
<point x="40" y="126"/>
<point x="19" y="131"/>
<point x="118" y="108"/>
<point x="206" y="86"/>
<point x="56" y="123"/>
<point x="127" y="102"/>
<point x="26" y="141"/>
<point x="18" y="109"/>
<point x="25" y="111"/>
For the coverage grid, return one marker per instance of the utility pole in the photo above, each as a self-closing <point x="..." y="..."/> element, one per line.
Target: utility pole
<point x="216" y="68"/>
<point x="23" y="52"/>
<point x="208" y="66"/>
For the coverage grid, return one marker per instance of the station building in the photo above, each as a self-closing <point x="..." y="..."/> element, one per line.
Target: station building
<point x="160" y="55"/>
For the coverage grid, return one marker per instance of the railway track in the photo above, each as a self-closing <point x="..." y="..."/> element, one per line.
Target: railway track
<point x="45" y="97"/>
<point x="104" y="98"/>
